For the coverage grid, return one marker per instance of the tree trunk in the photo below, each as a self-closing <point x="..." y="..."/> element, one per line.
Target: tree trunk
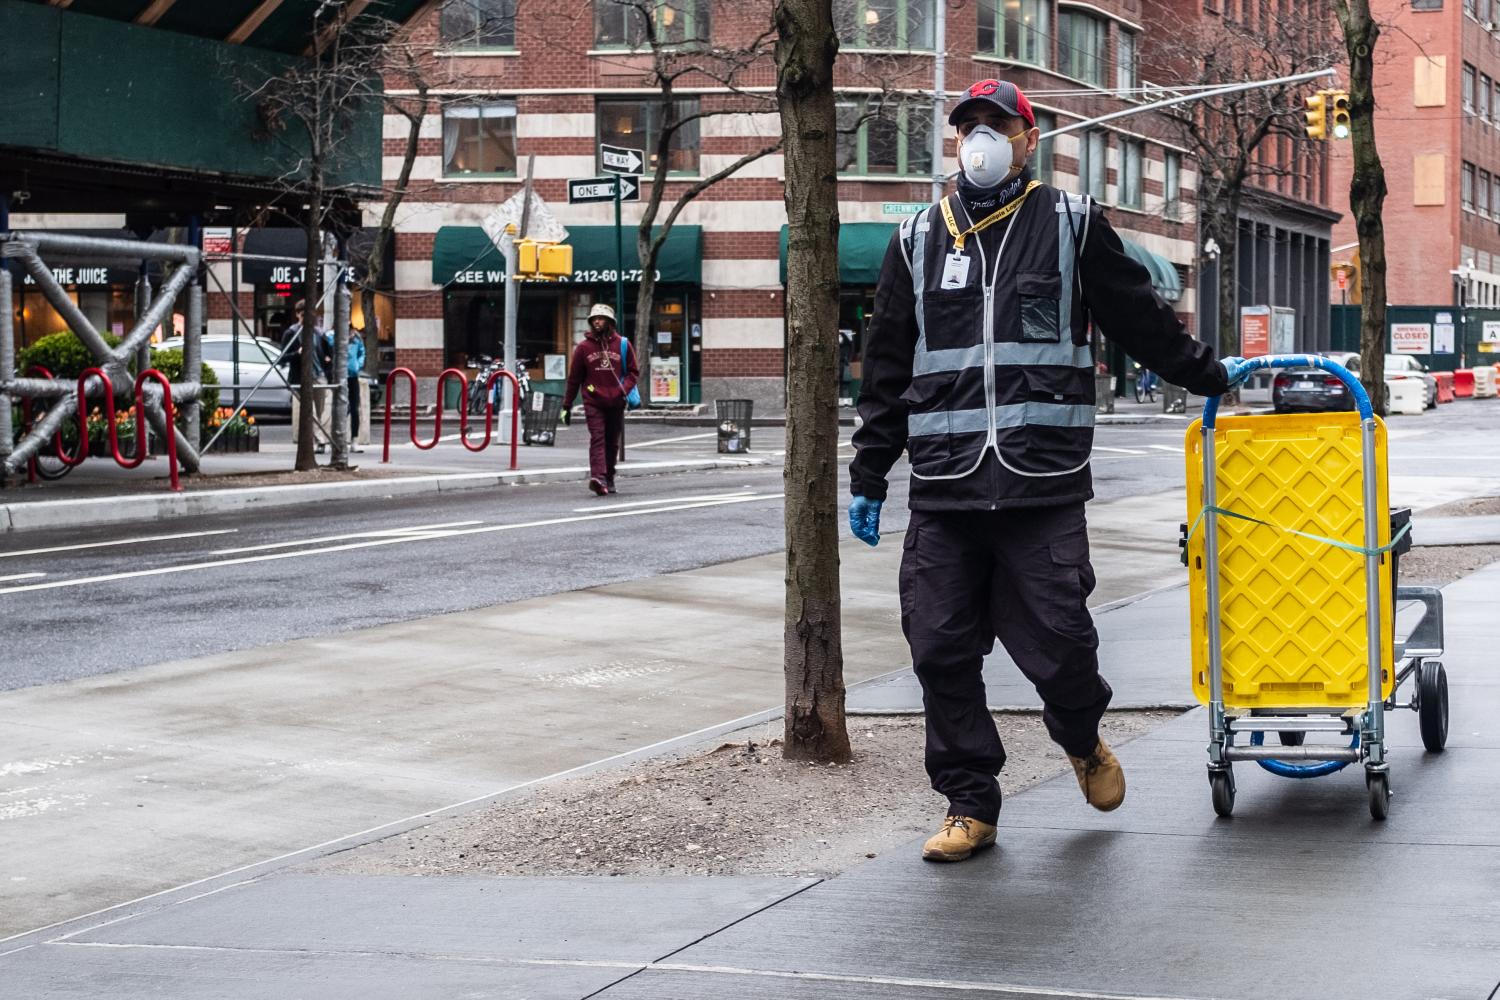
<point x="1366" y="194"/>
<point x="1223" y="228"/>
<point x="306" y="458"/>
<point x="814" y="660"/>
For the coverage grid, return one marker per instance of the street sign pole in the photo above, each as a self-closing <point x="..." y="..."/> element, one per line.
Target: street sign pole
<point x="620" y="265"/>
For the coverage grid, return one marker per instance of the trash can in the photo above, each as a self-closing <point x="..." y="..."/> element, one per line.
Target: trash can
<point x="539" y="418"/>
<point x="734" y="424"/>
<point x="1173" y="398"/>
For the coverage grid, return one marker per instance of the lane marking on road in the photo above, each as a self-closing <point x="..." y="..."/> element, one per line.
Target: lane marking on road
<point x="685" y="437"/>
<point x="649" y="503"/>
<point x="117" y="541"/>
<point x="1166" y="447"/>
<point x="372" y="543"/>
<point x="1119" y="451"/>
<point x="422" y="529"/>
<point x="21" y="576"/>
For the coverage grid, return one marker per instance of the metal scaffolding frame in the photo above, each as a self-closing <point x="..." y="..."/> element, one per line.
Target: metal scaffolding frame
<point x="27" y="249"/>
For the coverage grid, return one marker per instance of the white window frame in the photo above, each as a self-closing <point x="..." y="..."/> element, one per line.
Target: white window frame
<point x="481" y="110"/>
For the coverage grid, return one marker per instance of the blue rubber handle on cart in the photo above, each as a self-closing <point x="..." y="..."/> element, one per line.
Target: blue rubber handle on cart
<point x="1287" y="770"/>
<point x="1361" y="398"/>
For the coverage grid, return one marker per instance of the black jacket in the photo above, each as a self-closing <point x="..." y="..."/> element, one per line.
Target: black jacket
<point x="1117" y="296"/>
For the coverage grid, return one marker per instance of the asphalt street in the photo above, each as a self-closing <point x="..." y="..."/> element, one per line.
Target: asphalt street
<point x="91" y="601"/>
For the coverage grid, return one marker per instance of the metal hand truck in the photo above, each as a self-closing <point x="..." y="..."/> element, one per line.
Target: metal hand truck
<point x="1294" y="594"/>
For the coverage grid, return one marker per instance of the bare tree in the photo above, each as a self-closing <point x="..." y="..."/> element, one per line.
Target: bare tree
<point x="1232" y="139"/>
<point x="1366" y="192"/>
<point x="814" y="662"/>
<point x="317" y="110"/>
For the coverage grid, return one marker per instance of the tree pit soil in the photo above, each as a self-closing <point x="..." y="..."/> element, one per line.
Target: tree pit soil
<point x="737" y="808"/>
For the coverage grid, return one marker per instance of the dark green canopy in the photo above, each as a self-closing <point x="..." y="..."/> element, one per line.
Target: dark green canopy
<point x="464" y="255"/>
<point x="861" y="251"/>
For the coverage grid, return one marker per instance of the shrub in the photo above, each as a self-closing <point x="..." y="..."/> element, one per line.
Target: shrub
<point x="168" y="361"/>
<point x="64" y="356"/>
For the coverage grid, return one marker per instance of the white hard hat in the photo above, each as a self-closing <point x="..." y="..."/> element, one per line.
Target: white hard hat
<point x="600" y="309"/>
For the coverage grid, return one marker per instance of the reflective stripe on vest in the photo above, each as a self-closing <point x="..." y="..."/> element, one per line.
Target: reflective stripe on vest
<point x="1009" y="415"/>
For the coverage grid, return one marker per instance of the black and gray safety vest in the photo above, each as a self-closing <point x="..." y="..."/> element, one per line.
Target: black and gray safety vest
<point x="1002" y="359"/>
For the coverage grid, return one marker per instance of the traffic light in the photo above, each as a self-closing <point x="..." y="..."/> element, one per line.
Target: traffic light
<point x="1317" y="115"/>
<point x="1338" y="101"/>
<point x="543" y="260"/>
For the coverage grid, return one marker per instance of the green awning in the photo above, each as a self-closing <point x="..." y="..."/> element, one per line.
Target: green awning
<point x="464" y="255"/>
<point x="861" y="250"/>
<point x="1164" y="277"/>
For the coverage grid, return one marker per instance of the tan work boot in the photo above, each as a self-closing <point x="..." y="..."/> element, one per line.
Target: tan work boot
<point x="1101" y="777"/>
<point x="960" y="837"/>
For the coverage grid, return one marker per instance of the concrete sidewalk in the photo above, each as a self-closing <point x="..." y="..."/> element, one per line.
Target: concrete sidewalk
<point x="1300" y="895"/>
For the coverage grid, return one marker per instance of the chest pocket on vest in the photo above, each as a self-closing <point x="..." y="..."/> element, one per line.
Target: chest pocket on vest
<point x="951" y="317"/>
<point x="1040" y="293"/>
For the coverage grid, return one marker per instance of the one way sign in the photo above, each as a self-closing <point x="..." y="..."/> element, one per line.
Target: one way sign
<point x="621" y="159"/>
<point x="590" y="189"/>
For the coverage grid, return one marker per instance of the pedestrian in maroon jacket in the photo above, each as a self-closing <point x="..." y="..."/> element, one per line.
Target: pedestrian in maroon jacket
<point x="598" y="373"/>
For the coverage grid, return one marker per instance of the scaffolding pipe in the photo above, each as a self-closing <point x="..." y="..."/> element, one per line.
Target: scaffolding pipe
<point x="41" y="275"/>
<point x="100" y="247"/>
<point x="339" y="376"/>
<point x="7" y="365"/>
<point x="192" y="363"/>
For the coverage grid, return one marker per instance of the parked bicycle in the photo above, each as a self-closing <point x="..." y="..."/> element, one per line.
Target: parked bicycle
<point x="1145" y="385"/>
<point x="487" y="367"/>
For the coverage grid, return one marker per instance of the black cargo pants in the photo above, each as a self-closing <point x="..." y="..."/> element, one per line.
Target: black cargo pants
<point x="1021" y="575"/>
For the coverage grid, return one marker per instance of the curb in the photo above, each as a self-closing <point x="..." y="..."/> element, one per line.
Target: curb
<point x="43" y="514"/>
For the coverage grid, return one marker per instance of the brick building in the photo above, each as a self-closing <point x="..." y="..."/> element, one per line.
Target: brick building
<point x="1437" y="122"/>
<point x="1286" y="217"/>
<point x="516" y="80"/>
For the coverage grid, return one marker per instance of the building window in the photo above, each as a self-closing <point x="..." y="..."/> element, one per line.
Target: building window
<point x="1482" y="193"/>
<point x="1426" y="4"/>
<point x="884" y="24"/>
<point x="622" y="23"/>
<point x="1468" y="84"/>
<point x="893" y="140"/>
<point x="1172" y="186"/>
<point x="638" y="125"/>
<point x="1080" y="47"/>
<point x="1015" y="29"/>
<point x="1093" y="152"/>
<point x="1132" y="183"/>
<point x="479" y="24"/>
<point x="1470" y="7"/>
<point x="1466" y="191"/>
<point x="480" y="139"/>
<point x="1042" y="167"/>
<point x="1125" y="62"/>
<point x="1486" y="87"/>
<point x="1495" y="194"/>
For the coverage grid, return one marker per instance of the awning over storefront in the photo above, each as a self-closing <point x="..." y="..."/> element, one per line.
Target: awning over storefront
<point x="464" y="255"/>
<point x="861" y="251"/>
<point x="1164" y="277"/>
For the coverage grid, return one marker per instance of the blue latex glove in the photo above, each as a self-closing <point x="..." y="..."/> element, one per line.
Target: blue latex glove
<point x="864" y="519"/>
<point x="1236" y="369"/>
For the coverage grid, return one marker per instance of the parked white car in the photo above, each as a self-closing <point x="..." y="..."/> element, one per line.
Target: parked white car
<point x="257" y="356"/>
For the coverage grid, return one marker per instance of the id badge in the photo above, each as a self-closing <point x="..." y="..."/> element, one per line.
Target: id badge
<point x="955" y="270"/>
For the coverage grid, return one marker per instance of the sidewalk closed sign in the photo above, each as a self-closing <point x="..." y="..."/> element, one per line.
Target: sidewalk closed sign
<point x="1411" y="338"/>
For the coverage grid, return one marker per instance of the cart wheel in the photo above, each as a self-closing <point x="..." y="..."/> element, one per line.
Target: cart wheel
<point x="1221" y="787"/>
<point x="1379" y="784"/>
<point x="1292" y="739"/>
<point x="1432" y="701"/>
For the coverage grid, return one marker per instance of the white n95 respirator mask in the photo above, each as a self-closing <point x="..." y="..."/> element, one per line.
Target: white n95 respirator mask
<point x="987" y="157"/>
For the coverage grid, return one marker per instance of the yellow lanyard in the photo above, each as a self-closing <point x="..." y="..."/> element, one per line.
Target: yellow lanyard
<point x="1003" y="213"/>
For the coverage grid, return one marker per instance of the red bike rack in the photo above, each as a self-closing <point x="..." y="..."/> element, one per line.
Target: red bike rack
<point x="109" y="412"/>
<point x="463" y="412"/>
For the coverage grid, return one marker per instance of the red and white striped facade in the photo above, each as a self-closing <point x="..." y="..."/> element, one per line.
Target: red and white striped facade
<point x="555" y="86"/>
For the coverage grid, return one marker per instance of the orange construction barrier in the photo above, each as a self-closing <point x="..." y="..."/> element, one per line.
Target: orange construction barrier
<point x="1444" y="386"/>
<point x="1463" y="382"/>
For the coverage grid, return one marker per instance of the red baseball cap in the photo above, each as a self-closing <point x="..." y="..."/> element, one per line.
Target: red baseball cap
<point x="1005" y="96"/>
